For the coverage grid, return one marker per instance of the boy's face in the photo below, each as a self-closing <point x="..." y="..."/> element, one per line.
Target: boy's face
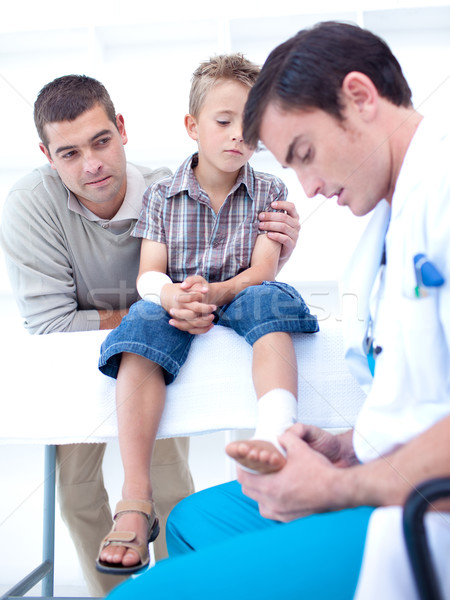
<point x="347" y="160"/>
<point x="89" y="156"/>
<point x="218" y="128"/>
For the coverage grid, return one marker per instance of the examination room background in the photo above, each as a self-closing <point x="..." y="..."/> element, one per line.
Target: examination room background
<point x="144" y="53"/>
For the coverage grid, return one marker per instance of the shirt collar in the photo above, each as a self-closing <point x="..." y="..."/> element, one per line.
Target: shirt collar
<point x="184" y="179"/>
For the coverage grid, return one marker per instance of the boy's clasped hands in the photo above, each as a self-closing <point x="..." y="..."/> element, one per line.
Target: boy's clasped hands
<point x="187" y="303"/>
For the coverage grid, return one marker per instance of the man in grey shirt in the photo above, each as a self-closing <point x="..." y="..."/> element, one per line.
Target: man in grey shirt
<point x="72" y="263"/>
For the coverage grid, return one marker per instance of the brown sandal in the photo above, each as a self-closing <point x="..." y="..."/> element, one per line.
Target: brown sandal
<point x="126" y="538"/>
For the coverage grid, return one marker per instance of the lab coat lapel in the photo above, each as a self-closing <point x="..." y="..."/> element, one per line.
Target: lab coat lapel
<point x="357" y="285"/>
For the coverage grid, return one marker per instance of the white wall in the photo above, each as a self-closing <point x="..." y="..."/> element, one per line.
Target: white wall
<point x="145" y="57"/>
<point x="145" y="54"/>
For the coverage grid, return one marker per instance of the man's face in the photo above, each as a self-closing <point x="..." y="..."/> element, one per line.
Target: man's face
<point x="88" y="154"/>
<point x="330" y="157"/>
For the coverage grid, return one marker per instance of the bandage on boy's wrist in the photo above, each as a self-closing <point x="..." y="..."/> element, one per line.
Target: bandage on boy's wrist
<point x="150" y="285"/>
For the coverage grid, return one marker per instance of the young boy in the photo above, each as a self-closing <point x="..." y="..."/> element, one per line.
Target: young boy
<point x="202" y="262"/>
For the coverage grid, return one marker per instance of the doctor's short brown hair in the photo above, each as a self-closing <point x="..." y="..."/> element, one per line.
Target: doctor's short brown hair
<point x="307" y="71"/>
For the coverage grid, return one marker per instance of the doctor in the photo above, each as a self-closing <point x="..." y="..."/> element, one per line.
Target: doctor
<point x="332" y="103"/>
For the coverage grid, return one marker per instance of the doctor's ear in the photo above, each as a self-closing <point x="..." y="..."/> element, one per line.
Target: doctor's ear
<point x="360" y="91"/>
<point x="190" y="123"/>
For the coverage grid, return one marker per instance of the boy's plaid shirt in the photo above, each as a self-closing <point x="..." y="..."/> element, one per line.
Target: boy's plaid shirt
<point x="178" y="213"/>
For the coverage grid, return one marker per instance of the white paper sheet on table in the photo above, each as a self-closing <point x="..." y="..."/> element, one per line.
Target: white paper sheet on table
<point x="53" y="393"/>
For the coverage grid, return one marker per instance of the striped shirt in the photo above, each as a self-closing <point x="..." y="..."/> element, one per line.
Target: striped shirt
<point x="177" y="212"/>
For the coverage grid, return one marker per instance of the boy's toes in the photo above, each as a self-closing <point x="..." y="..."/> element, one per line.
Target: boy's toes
<point x="237" y="450"/>
<point x="130" y="558"/>
<point x="256" y="455"/>
<point x="113" y="554"/>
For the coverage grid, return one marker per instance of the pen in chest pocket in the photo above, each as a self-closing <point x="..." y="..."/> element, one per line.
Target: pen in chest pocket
<point x="427" y="275"/>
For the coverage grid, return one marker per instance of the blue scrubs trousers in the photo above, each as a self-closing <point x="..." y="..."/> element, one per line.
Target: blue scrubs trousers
<point x="220" y="547"/>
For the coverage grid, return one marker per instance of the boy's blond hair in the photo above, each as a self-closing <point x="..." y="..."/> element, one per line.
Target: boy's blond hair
<point x="234" y="67"/>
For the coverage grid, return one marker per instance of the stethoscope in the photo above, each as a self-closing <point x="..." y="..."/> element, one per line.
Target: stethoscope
<point x="371" y="349"/>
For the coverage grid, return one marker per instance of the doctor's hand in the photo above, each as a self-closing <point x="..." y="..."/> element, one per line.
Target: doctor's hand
<point x="186" y="303"/>
<point x="337" y="448"/>
<point x="308" y="483"/>
<point x="283" y="227"/>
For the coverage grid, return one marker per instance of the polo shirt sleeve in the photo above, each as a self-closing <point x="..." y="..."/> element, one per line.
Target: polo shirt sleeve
<point x="150" y="224"/>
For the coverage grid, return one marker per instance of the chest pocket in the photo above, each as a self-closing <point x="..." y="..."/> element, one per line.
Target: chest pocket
<point x="424" y="345"/>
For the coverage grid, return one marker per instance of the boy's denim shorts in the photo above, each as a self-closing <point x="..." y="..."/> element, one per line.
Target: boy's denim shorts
<point x="254" y="312"/>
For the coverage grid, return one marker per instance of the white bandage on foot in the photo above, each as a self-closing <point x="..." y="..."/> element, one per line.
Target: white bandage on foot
<point x="150" y="284"/>
<point x="277" y="411"/>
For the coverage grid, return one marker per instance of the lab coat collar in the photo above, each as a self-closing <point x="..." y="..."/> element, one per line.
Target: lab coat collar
<point x="357" y="283"/>
<point x="411" y="172"/>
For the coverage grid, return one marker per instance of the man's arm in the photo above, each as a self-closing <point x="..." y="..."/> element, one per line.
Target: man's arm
<point x="110" y="319"/>
<point x="310" y="482"/>
<point x="39" y="267"/>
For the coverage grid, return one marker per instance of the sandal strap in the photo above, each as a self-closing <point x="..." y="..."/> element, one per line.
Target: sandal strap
<point x="146" y="507"/>
<point x="128" y="539"/>
<point x="119" y="536"/>
<point x="125" y="538"/>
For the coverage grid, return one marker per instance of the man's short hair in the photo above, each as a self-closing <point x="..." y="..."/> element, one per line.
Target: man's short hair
<point x="66" y="98"/>
<point x="234" y="67"/>
<point x="307" y="72"/>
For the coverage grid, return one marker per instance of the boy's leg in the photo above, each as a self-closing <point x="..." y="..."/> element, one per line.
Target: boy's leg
<point x="145" y="353"/>
<point x="275" y="381"/>
<point x="140" y="396"/>
<point x="315" y="557"/>
<point x="265" y="315"/>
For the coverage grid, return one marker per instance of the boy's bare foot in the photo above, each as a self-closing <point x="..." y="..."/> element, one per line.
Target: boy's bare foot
<point x="258" y="455"/>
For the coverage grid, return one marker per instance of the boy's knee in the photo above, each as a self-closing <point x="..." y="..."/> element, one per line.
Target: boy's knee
<point x="248" y="306"/>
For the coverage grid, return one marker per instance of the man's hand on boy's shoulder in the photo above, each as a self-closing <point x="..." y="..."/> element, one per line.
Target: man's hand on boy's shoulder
<point x="186" y="304"/>
<point x="283" y="226"/>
